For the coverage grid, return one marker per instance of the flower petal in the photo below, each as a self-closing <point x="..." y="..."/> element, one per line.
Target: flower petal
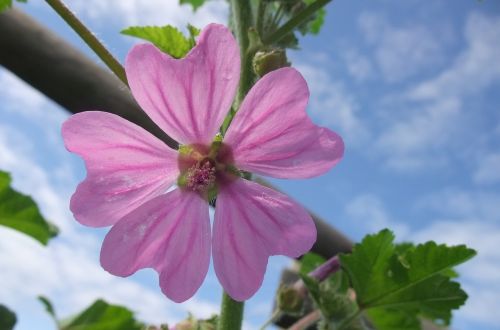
<point x="187" y="98"/>
<point x="272" y="135"/>
<point x="170" y="233"/>
<point x="253" y="222"/>
<point x="126" y="166"/>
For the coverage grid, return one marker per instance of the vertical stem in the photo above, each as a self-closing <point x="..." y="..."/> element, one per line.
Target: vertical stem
<point x="89" y="38"/>
<point x="231" y="316"/>
<point x="241" y="13"/>
<point x="242" y="19"/>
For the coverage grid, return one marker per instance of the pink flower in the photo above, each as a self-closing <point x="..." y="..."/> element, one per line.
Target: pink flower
<point x="129" y="170"/>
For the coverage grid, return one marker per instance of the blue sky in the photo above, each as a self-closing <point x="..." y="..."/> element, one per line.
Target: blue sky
<point x="411" y="86"/>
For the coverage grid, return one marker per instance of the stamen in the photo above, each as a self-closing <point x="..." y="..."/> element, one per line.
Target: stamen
<point x="201" y="176"/>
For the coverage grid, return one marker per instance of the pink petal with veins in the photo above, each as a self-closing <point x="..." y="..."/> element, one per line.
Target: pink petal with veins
<point x="272" y="135"/>
<point x="188" y="98"/>
<point x="171" y="234"/>
<point x="126" y="166"/>
<point x="253" y="222"/>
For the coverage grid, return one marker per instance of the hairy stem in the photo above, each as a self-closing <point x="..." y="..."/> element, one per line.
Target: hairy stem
<point x="241" y="13"/>
<point x="241" y="18"/>
<point x="231" y="314"/>
<point x="89" y="38"/>
<point x="294" y="22"/>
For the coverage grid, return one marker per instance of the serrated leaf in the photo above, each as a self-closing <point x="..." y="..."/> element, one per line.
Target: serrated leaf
<point x="195" y="3"/>
<point x="103" y="316"/>
<point x="380" y="279"/>
<point x="7" y="318"/>
<point x="20" y="212"/>
<point x="394" y="319"/>
<point x="366" y="266"/>
<point x="167" y="38"/>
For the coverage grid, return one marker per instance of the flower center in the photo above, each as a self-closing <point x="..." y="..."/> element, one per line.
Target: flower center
<point x="205" y="168"/>
<point x="201" y="176"/>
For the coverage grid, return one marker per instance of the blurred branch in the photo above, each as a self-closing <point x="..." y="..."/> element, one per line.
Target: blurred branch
<point x="68" y="77"/>
<point x="63" y="73"/>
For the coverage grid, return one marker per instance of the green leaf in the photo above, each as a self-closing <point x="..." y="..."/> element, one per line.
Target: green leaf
<point x="5" y="4"/>
<point x="314" y="23"/>
<point x="20" y="212"/>
<point x="48" y="306"/>
<point x="382" y="279"/>
<point x="394" y="319"/>
<point x="195" y="3"/>
<point x="7" y="318"/>
<point x="167" y="38"/>
<point x="103" y="316"/>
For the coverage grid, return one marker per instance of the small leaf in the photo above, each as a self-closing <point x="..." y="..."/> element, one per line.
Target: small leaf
<point x="48" y="306"/>
<point x="316" y="24"/>
<point x="167" y="38"/>
<point x="103" y="316"/>
<point x="195" y="3"/>
<point x="310" y="262"/>
<point x="5" y="4"/>
<point x="7" y="318"/>
<point x="20" y="212"/>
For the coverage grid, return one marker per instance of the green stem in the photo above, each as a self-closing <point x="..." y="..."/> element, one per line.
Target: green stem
<point x="231" y="315"/>
<point x="242" y="21"/>
<point x="294" y="22"/>
<point x="261" y="14"/>
<point x="241" y="13"/>
<point x="89" y="38"/>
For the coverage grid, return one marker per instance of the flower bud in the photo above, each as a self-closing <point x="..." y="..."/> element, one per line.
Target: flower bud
<point x="290" y="300"/>
<point x="269" y="60"/>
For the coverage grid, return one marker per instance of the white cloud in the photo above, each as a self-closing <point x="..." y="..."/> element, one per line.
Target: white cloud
<point x="474" y="69"/>
<point x="401" y="51"/>
<point x="333" y="105"/>
<point x="369" y="212"/>
<point x="418" y="140"/>
<point x="358" y="65"/>
<point x="436" y="121"/>
<point x="151" y="12"/>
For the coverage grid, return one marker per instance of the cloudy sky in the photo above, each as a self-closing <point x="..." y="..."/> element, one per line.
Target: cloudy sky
<point x="413" y="88"/>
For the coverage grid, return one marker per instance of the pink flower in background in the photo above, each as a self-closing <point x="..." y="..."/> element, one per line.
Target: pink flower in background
<point x="129" y="170"/>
